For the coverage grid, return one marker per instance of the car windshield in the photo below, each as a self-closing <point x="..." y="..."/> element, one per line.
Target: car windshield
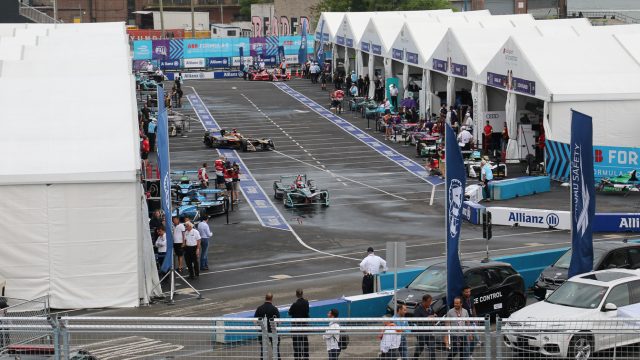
<point x="433" y="279"/>
<point x="578" y="295"/>
<point x="565" y="260"/>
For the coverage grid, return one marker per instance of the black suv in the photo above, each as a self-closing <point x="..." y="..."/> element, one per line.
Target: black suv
<point x="496" y="287"/>
<point x="606" y="255"/>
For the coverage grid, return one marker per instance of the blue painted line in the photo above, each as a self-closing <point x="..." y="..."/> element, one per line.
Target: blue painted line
<point x="380" y="147"/>
<point x="260" y="203"/>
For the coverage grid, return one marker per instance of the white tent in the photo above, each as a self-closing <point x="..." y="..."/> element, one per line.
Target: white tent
<point x="72" y="199"/>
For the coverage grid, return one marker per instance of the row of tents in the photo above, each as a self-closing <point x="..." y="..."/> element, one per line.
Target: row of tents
<point x="503" y="67"/>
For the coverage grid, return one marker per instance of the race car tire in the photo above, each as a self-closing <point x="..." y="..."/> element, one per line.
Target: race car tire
<point x="243" y="145"/>
<point x="270" y="77"/>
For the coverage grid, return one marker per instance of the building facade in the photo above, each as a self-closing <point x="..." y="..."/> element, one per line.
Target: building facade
<point x="282" y="17"/>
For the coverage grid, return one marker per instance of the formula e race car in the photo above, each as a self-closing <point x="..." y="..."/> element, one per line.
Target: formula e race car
<point x="266" y="75"/>
<point x="200" y="202"/>
<point x="183" y="182"/>
<point x="620" y="184"/>
<point x="299" y="191"/>
<point x="235" y="140"/>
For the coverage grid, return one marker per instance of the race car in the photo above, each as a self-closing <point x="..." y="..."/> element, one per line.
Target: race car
<point x="183" y="182"/>
<point x="620" y="184"/>
<point x="235" y="140"/>
<point x="266" y="75"/>
<point x="200" y="202"/>
<point x="299" y="191"/>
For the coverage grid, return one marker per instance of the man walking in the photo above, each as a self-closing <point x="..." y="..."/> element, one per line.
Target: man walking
<point x="486" y="175"/>
<point x="300" y="310"/>
<point x="205" y="235"/>
<point x="459" y="343"/>
<point x="370" y="266"/>
<point x="332" y="336"/>
<point x="393" y="93"/>
<point x="269" y="312"/>
<point x="424" y="310"/>
<point x="192" y="250"/>
<point x="178" y="239"/>
<point x="401" y="311"/>
<point x="468" y="303"/>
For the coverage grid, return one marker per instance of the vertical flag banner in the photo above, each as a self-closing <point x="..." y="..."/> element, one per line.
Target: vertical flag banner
<point x="302" y="52"/>
<point x="241" y="49"/>
<point x="281" y="56"/>
<point x="165" y="178"/>
<point x="583" y="197"/>
<point x="455" y="183"/>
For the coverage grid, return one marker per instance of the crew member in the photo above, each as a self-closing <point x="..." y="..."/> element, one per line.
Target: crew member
<point x="393" y="93"/>
<point x="268" y="311"/>
<point x="486" y="177"/>
<point x="424" y="310"/>
<point x="465" y="139"/>
<point x="203" y="177"/>
<point x="486" y="141"/>
<point x="300" y="310"/>
<point x="370" y="266"/>
<point x="178" y="239"/>
<point x="219" y="166"/>
<point x="336" y="100"/>
<point x="161" y="244"/>
<point x="228" y="178"/>
<point x="192" y="250"/>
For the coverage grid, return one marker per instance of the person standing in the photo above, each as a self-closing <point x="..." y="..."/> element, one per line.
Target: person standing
<point x="300" y="310"/>
<point x="486" y="135"/>
<point x="178" y="240"/>
<point x="361" y="86"/>
<point x="424" y="310"/>
<point x="486" y="175"/>
<point x="370" y="267"/>
<point x="161" y="245"/>
<point x="192" y="250"/>
<point x="393" y="93"/>
<point x="203" y="177"/>
<point x="236" y="182"/>
<point x="269" y="312"/>
<point x="219" y="166"/>
<point x="145" y="147"/>
<point x="151" y="134"/>
<point x="504" y="139"/>
<point x="401" y="312"/>
<point x="390" y="341"/>
<point x="468" y="303"/>
<point x="367" y="83"/>
<point x="459" y="343"/>
<point x="379" y="89"/>
<point x="205" y="235"/>
<point x="332" y="336"/>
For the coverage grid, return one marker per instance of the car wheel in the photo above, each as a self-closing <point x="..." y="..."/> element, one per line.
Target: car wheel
<point x="515" y="303"/>
<point x="581" y="347"/>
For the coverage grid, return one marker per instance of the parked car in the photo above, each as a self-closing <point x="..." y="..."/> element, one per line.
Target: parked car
<point x="3" y="300"/>
<point x="577" y="310"/>
<point x="606" y="255"/>
<point x="496" y="287"/>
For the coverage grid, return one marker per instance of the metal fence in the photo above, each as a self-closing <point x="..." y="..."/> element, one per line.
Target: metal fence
<point x="368" y="338"/>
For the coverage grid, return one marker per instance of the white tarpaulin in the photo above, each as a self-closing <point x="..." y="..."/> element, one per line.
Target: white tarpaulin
<point x="334" y="57"/>
<point x="479" y="93"/>
<point x="513" y="149"/>
<point x="346" y="59"/>
<point x="424" y="93"/>
<point x="451" y="91"/>
<point x="405" y="80"/>
<point x="372" y="88"/>
<point x="388" y="73"/>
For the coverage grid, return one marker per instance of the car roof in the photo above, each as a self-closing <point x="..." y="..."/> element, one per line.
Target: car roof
<point x="476" y="264"/>
<point x="610" y="277"/>
<point x="611" y="245"/>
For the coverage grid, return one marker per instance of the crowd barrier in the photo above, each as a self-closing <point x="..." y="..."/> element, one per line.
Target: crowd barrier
<point x="520" y="186"/>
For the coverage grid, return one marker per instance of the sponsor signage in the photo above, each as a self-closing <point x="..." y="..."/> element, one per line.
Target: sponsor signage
<point x="227" y="74"/>
<point x="171" y="64"/>
<point x="248" y="61"/>
<point x="536" y="218"/>
<point x="524" y="86"/>
<point x="459" y="69"/>
<point x="194" y="63"/>
<point x="142" y="50"/>
<point x="397" y="54"/>
<point x="364" y="46"/>
<point x="218" y="62"/>
<point x="340" y="40"/>
<point x="376" y="49"/>
<point x="617" y="222"/>
<point x="325" y="36"/>
<point x="160" y="49"/>
<point x="138" y="34"/>
<point x="608" y="161"/>
<point x="412" y="57"/>
<point x="349" y="42"/>
<point x="440" y="65"/>
<point x="508" y="82"/>
<point x="472" y="212"/>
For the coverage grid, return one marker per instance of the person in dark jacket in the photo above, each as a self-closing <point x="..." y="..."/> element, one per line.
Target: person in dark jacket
<point x="424" y="310"/>
<point x="268" y="311"/>
<point x="300" y="310"/>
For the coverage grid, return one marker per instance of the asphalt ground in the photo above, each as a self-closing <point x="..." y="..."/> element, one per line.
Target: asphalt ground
<point x="373" y="201"/>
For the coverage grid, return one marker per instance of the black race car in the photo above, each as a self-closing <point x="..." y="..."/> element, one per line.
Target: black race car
<point x="606" y="255"/>
<point x="235" y="140"/>
<point x="496" y="287"/>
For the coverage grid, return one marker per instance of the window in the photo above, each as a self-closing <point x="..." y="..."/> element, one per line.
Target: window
<point x="474" y="279"/>
<point x="634" y="256"/>
<point x="616" y="259"/>
<point x="215" y="31"/>
<point x="634" y="288"/>
<point x="231" y="33"/>
<point x="619" y="295"/>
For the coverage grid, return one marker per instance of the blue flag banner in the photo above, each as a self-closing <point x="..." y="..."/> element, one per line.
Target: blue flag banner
<point x="583" y="196"/>
<point x="455" y="184"/>
<point x="281" y="56"/>
<point x="165" y="178"/>
<point x="241" y="49"/>
<point x="302" y="52"/>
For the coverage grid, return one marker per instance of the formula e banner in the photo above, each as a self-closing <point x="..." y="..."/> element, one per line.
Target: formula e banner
<point x="583" y="196"/>
<point x="455" y="185"/>
<point x="536" y="218"/>
<point x="165" y="178"/>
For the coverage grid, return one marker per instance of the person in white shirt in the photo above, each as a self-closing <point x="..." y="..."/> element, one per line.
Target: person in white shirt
<point x="370" y="267"/>
<point x="203" y="177"/>
<point x="192" y="250"/>
<point x="390" y="342"/>
<point x="161" y="244"/>
<point x="393" y="93"/>
<point x="465" y="139"/>
<point x="149" y="67"/>
<point x="178" y="240"/>
<point x="468" y="121"/>
<point x="332" y="336"/>
<point x="205" y="235"/>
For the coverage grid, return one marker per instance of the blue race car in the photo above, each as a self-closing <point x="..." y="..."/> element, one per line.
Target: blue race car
<point x="200" y="202"/>
<point x="184" y="181"/>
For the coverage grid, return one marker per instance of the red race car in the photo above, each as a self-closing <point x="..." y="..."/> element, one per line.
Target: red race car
<point x="266" y="75"/>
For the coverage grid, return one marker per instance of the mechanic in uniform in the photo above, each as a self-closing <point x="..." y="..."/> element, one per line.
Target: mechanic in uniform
<point x="300" y="310"/>
<point x="336" y="100"/>
<point x="370" y="267"/>
<point x="203" y="176"/>
<point x="192" y="250"/>
<point x="465" y="139"/>
<point x="236" y="182"/>
<point x="468" y="303"/>
<point x="268" y="311"/>
<point x="228" y="179"/>
<point x="219" y="166"/>
<point x="424" y="310"/>
<point x="178" y="240"/>
<point x="486" y="141"/>
<point x="486" y="175"/>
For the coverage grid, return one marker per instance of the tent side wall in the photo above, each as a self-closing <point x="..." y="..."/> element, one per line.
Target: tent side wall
<point x="82" y="237"/>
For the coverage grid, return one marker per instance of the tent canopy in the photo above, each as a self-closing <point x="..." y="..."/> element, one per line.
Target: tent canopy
<point x="352" y="28"/>
<point x="506" y="21"/>
<point x="329" y="23"/>
<point x="380" y="33"/>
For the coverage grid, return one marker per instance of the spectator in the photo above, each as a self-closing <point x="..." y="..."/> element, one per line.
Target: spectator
<point x="401" y="312"/>
<point x="459" y="344"/>
<point x="424" y="310"/>
<point x="300" y="310"/>
<point x="192" y="250"/>
<point x="203" y="177"/>
<point x="332" y="336"/>
<point x="178" y="240"/>
<point x="161" y="245"/>
<point x="205" y="236"/>
<point x="390" y="340"/>
<point x="468" y="303"/>
<point x="269" y="312"/>
<point x="370" y="266"/>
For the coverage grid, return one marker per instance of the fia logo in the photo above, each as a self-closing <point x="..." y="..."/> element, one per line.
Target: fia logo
<point x="455" y="206"/>
<point x="161" y="50"/>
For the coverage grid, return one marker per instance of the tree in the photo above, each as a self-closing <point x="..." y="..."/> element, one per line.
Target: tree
<point x="425" y="5"/>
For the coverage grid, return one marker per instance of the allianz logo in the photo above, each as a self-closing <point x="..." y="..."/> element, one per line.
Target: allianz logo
<point x="629" y="223"/>
<point x="522" y="217"/>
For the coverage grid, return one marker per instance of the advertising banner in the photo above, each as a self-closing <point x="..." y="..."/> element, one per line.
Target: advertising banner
<point x="349" y="43"/>
<point x="160" y="49"/>
<point x="146" y="34"/>
<point x="412" y="57"/>
<point x="340" y="40"/>
<point x="459" y="69"/>
<point x="609" y="161"/>
<point x="376" y="49"/>
<point x="397" y="54"/>
<point x="142" y="50"/>
<point x="536" y="218"/>
<point x="218" y="62"/>
<point x="194" y="63"/>
<point x="170" y="64"/>
<point x="440" y="65"/>
<point x="165" y="178"/>
<point x="141" y="65"/>
<point x="617" y="222"/>
<point x="247" y="60"/>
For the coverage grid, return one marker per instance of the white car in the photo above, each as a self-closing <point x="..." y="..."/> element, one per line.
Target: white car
<point x="579" y="318"/>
